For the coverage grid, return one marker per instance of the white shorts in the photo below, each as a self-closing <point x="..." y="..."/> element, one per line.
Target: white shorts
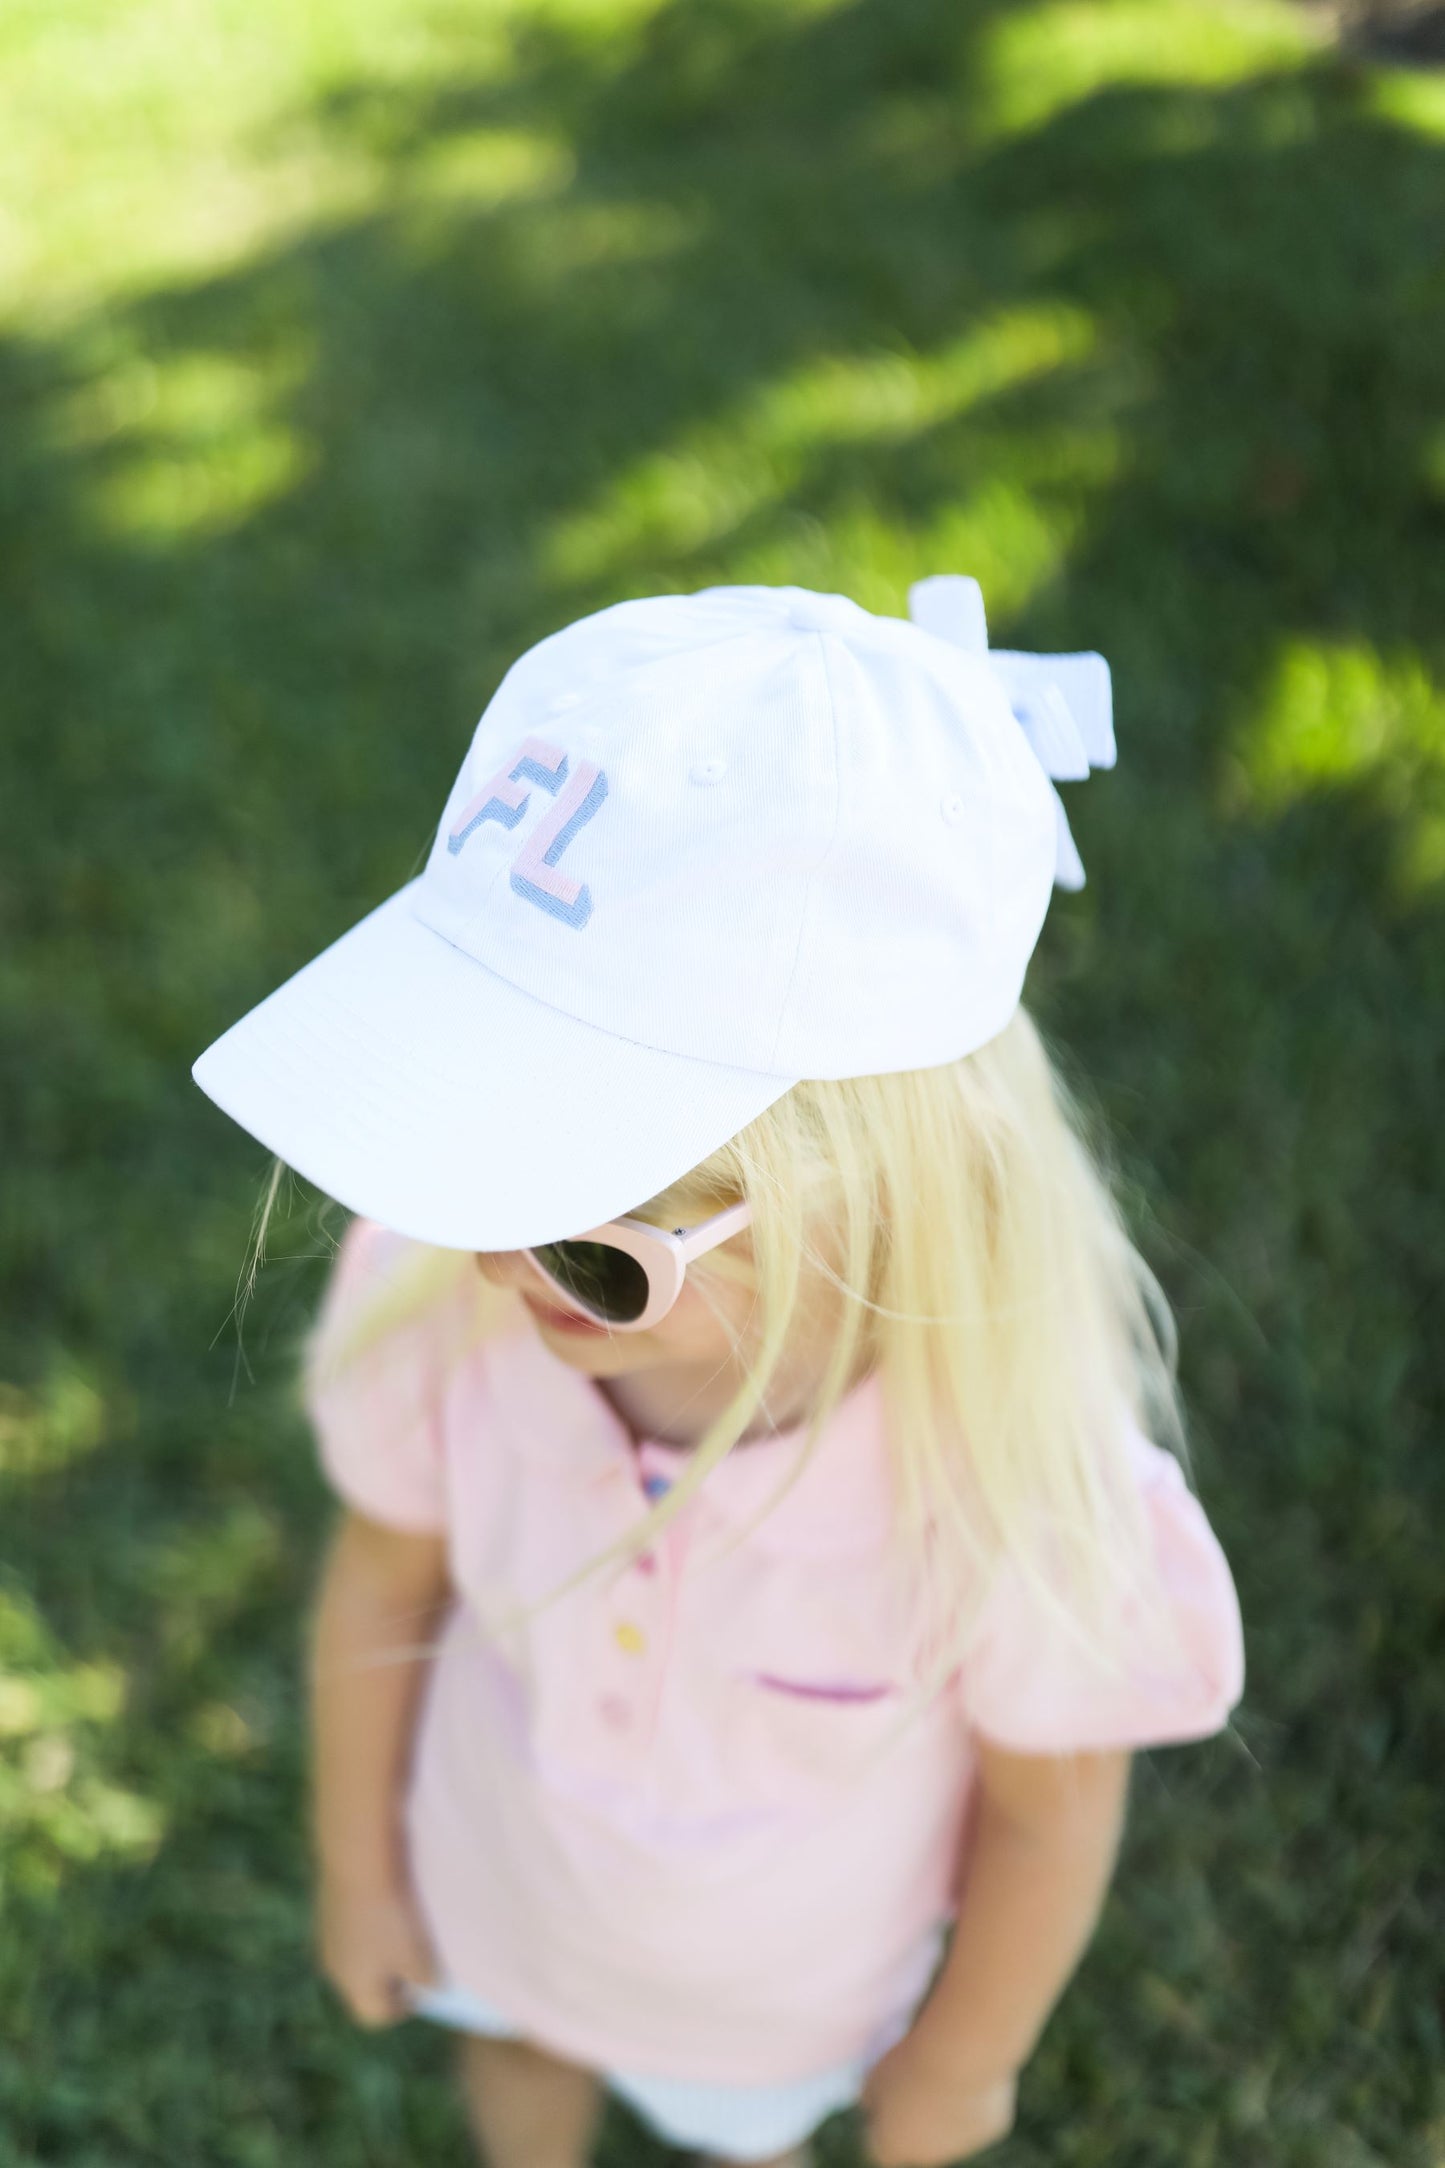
<point x="735" y="2122"/>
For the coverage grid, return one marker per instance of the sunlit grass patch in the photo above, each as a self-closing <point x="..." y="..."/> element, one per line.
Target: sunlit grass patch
<point x="1414" y="98"/>
<point x="57" y="1805"/>
<point x="152" y="139"/>
<point x="1339" y="715"/>
<point x="44" y="1430"/>
<point x="1040" y="59"/>
<point x="749" y="479"/>
<point x="195" y="441"/>
<point x="481" y="168"/>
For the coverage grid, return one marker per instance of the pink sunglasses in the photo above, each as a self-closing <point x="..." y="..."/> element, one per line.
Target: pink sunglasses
<point x="627" y="1275"/>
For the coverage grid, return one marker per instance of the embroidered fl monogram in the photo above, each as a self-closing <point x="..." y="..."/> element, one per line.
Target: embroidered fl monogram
<point x="534" y="873"/>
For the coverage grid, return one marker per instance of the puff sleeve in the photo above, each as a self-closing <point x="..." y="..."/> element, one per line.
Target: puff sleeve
<point x="372" y="1381"/>
<point x="1029" y="1688"/>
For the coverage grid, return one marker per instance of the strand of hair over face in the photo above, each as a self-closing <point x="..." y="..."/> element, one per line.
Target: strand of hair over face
<point x="967" y="1234"/>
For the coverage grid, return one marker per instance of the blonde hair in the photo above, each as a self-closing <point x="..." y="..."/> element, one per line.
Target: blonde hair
<point x="963" y="1225"/>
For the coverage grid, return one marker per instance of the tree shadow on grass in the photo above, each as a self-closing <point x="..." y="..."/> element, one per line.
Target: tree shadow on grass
<point x="775" y="296"/>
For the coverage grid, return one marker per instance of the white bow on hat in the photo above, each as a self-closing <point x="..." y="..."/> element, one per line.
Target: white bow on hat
<point x="1064" y="703"/>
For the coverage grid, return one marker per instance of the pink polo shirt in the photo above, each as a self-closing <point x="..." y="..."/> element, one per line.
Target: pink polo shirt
<point x="671" y="1823"/>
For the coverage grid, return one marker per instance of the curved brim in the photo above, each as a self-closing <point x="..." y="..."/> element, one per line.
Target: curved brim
<point x="417" y="1088"/>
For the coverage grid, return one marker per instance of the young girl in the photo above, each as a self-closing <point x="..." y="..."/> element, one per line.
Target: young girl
<point x="762" y="1545"/>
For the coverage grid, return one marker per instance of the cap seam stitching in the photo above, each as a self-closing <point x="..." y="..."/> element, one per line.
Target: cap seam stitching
<point x="823" y="856"/>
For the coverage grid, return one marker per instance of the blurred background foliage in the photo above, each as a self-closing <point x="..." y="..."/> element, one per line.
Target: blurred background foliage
<point x="346" y="350"/>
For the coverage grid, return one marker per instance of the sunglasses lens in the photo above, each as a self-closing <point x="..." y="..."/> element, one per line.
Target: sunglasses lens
<point x="607" y="1282"/>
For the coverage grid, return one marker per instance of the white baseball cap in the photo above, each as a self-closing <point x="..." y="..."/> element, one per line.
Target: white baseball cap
<point x="702" y="846"/>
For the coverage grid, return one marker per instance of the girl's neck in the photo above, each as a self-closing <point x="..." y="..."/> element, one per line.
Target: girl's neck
<point x="674" y="1410"/>
<point x="674" y="1405"/>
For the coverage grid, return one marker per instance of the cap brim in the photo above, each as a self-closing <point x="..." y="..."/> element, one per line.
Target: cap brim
<point x="421" y="1090"/>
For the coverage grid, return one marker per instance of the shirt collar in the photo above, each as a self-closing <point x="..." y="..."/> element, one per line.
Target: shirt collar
<point x="840" y="1494"/>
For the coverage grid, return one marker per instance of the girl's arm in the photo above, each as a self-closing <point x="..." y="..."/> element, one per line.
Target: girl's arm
<point x="1045" y="1841"/>
<point x="383" y="1596"/>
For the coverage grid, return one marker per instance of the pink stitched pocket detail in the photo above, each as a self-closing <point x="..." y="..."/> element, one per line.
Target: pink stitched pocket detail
<point x="823" y="1689"/>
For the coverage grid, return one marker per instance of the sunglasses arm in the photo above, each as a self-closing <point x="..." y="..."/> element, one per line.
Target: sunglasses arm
<point x="712" y="1231"/>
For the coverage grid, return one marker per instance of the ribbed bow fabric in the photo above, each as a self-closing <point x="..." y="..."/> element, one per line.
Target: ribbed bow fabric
<point x="1064" y="703"/>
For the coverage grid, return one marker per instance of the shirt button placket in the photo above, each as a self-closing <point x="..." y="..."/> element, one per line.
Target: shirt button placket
<point x="619" y="1707"/>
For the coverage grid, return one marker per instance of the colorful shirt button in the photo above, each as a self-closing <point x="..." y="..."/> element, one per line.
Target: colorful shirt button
<point x="629" y="1638"/>
<point x="655" y="1487"/>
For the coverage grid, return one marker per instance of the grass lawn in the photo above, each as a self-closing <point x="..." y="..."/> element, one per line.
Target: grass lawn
<point x="344" y="351"/>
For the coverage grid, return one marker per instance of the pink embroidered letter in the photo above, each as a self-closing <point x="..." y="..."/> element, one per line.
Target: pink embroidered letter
<point x="500" y="799"/>
<point x="534" y="874"/>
